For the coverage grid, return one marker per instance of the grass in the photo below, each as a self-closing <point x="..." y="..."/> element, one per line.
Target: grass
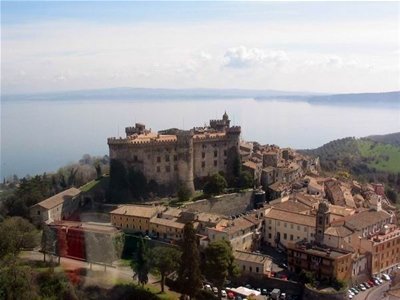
<point x="90" y="185"/>
<point x="384" y="157"/>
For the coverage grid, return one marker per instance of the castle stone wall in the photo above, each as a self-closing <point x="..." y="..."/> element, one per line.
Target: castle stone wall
<point x="228" y="205"/>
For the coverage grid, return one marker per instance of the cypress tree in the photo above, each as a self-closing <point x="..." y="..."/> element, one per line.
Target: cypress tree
<point x="189" y="272"/>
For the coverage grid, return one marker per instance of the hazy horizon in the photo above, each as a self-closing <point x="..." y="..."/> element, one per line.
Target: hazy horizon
<point x="330" y="47"/>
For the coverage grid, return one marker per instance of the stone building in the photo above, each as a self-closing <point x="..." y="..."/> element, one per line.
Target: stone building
<point x="56" y="208"/>
<point x="176" y="157"/>
<point x="325" y="262"/>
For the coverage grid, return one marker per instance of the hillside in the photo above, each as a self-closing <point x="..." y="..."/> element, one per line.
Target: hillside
<point x="364" y="159"/>
<point x="357" y="155"/>
<point x="392" y="138"/>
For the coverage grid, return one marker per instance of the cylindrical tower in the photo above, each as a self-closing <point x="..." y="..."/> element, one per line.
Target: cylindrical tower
<point x="184" y="149"/>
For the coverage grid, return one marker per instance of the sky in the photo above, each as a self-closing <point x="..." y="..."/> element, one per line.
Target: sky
<point x="334" y="47"/>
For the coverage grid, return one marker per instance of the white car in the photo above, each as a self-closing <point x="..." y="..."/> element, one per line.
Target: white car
<point x="223" y="293"/>
<point x="207" y="287"/>
<point x="215" y="290"/>
<point x="386" y="277"/>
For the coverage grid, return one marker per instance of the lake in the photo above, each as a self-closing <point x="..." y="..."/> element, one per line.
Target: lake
<point x="41" y="136"/>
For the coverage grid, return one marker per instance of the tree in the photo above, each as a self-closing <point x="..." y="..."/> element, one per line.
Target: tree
<point x="245" y="180"/>
<point x="392" y="195"/>
<point x="215" y="185"/>
<point x="164" y="260"/>
<point x="16" y="281"/>
<point x="189" y="275"/>
<point x="141" y="264"/>
<point x="16" y="233"/>
<point x="184" y="193"/>
<point x="219" y="263"/>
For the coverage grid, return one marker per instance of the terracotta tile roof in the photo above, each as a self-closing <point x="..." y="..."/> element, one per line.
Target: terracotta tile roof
<point x="340" y="210"/>
<point x="340" y="231"/>
<point x="232" y="226"/>
<point x="291" y="217"/>
<point x="250" y="164"/>
<point x="142" y="211"/>
<point x="292" y="206"/>
<point x="251" y="257"/>
<point x="59" y="198"/>
<point x="166" y="222"/>
<point x="366" y="218"/>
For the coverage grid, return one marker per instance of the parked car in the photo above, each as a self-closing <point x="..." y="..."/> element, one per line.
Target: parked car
<point x="376" y="281"/>
<point x="215" y="290"/>
<point x="223" y="293"/>
<point x="207" y="287"/>
<point x="283" y="265"/>
<point x="385" y="277"/>
<point x="350" y="292"/>
<point x="354" y="290"/>
<point x="367" y="285"/>
<point x="264" y="292"/>
<point x="362" y="287"/>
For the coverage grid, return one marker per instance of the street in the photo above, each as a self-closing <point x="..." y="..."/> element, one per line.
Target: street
<point x="375" y="293"/>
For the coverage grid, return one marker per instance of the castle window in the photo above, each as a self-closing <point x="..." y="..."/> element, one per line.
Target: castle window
<point x="166" y="157"/>
<point x="285" y="236"/>
<point x="158" y="159"/>
<point x="203" y="164"/>
<point x="168" y="169"/>
<point x="175" y="157"/>
<point x="203" y="154"/>
<point x="135" y="158"/>
<point x="215" y="163"/>
<point x="158" y="170"/>
<point x="215" y="153"/>
<point x="225" y="162"/>
<point x="175" y="168"/>
<point x="291" y="237"/>
<point x="225" y="152"/>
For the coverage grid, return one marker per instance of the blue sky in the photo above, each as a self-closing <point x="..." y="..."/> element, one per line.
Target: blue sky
<point x="313" y="46"/>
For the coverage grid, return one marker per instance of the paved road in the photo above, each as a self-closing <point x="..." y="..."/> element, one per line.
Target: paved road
<point x="98" y="274"/>
<point x="375" y="293"/>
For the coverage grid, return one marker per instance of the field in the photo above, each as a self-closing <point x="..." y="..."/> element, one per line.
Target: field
<point x="382" y="157"/>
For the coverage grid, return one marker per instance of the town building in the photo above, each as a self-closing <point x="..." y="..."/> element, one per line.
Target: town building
<point x="282" y="227"/>
<point x="134" y="218"/>
<point x="323" y="261"/>
<point x="173" y="157"/>
<point x="56" y="208"/>
<point x="384" y="248"/>
<point x="253" y="263"/>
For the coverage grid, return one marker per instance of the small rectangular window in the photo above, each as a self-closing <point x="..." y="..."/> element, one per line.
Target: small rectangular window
<point x="158" y="159"/>
<point x="175" y="157"/>
<point x="203" y="154"/>
<point x="203" y="164"/>
<point x="167" y="158"/>
<point x="225" y="152"/>
<point x="215" y="153"/>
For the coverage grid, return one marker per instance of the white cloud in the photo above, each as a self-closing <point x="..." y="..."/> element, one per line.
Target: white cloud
<point x="243" y="57"/>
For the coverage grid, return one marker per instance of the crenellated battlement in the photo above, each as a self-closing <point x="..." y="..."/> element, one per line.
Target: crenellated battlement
<point x="234" y="129"/>
<point x="151" y="141"/>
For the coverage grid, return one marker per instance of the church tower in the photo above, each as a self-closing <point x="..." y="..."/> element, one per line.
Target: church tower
<point x="322" y="221"/>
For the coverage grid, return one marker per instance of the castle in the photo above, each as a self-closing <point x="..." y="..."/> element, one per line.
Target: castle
<point x="175" y="157"/>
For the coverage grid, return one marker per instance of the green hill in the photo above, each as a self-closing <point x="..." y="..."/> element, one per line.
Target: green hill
<point x="382" y="157"/>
